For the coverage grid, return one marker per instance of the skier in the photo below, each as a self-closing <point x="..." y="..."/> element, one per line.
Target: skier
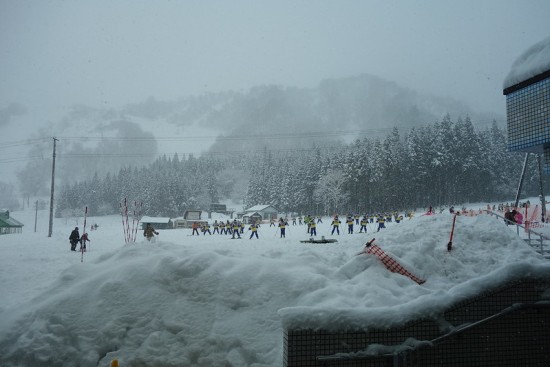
<point x="364" y="223"/>
<point x="228" y="229"/>
<point x="206" y="228"/>
<point x="83" y="240"/>
<point x="313" y="228"/>
<point x="381" y="223"/>
<point x="254" y="229"/>
<point x="149" y="232"/>
<point x="349" y="222"/>
<point x="74" y="238"/>
<point x="282" y="226"/>
<point x="307" y="221"/>
<point x="195" y="227"/>
<point x="335" y="225"/>
<point x="236" y="227"/>
<point x="216" y="226"/>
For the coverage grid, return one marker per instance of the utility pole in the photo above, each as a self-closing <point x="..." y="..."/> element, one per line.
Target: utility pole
<point x="35" y="215"/>
<point x="521" y="179"/>
<point x="542" y="198"/>
<point x="51" y="196"/>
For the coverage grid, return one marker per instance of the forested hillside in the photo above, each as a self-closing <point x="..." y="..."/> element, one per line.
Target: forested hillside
<point x="269" y="117"/>
<point x="444" y="163"/>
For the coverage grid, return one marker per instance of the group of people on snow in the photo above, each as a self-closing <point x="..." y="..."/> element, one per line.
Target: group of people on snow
<point x="75" y="238"/>
<point x="235" y="228"/>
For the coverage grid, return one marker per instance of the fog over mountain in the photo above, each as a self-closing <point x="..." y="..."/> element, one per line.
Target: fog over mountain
<point x="273" y="117"/>
<point x="279" y="117"/>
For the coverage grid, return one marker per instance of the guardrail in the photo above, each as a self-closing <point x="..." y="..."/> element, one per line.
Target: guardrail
<point x="534" y="239"/>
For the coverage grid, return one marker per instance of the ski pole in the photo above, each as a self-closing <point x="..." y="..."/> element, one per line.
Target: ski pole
<point x="83" y="233"/>
<point x="450" y="244"/>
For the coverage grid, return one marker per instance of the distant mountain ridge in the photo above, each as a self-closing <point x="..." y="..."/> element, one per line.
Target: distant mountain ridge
<point x="268" y="117"/>
<point x="357" y="103"/>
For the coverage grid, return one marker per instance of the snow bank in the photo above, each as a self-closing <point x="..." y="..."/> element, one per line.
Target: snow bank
<point x="212" y="301"/>
<point x="534" y="61"/>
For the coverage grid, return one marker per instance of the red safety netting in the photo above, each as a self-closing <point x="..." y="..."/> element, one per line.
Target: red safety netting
<point x="390" y="263"/>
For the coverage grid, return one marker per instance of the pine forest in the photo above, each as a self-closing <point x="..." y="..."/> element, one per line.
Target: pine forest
<point x="439" y="164"/>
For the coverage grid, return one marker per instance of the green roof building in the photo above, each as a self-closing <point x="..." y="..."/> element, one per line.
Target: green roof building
<point x="9" y="225"/>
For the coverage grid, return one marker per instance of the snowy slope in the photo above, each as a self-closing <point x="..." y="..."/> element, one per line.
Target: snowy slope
<point x="213" y="301"/>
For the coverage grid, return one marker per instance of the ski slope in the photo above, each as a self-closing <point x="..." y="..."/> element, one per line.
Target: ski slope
<point x="213" y="301"/>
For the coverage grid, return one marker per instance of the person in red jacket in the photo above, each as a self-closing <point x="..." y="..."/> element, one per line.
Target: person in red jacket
<point x="83" y="240"/>
<point x="195" y="227"/>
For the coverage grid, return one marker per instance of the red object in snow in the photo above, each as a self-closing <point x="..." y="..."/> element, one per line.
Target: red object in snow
<point x="390" y="263"/>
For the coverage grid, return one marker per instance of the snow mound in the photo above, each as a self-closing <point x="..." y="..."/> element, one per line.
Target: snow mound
<point x="215" y="302"/>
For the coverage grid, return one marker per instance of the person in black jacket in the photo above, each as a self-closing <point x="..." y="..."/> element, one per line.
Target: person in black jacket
<point x="74" y="238"/>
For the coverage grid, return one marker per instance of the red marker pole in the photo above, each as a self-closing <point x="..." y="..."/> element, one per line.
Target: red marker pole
<point x="450" y="244"/>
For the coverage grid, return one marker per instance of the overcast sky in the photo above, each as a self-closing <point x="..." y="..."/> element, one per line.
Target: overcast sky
<point x="108" y="53"/>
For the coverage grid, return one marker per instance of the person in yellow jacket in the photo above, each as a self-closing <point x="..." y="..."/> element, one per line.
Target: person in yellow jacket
<point x="228" y="229"/>
<point x="313" y="228"/>
<point x="206" y="228"/>
<point x="254" y="229"/>
<point x="349" y="222"/>
<point x="381" y="223"/>
<point x="364" y="223"/>
<point x="236" y="229"/>
<point x="282" y="226"/>
<point x="335" y="225"/>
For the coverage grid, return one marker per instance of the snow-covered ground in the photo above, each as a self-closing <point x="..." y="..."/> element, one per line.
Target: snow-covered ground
<point x="213" y="301"/>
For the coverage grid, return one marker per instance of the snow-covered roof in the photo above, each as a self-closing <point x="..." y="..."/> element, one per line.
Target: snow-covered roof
<point x="155" y="219"/>
<point x="259" y="208"/>
<point x="534" y="61"/>
<point x="9" y="222"/>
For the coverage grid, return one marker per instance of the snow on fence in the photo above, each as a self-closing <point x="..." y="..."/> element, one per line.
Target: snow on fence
<point x="505" y="326"/>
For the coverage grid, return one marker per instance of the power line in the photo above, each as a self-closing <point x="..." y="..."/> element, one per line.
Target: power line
<point x="221" y="139"/>
<point x="18" y="143"/>
<point x="271" y="136"/>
